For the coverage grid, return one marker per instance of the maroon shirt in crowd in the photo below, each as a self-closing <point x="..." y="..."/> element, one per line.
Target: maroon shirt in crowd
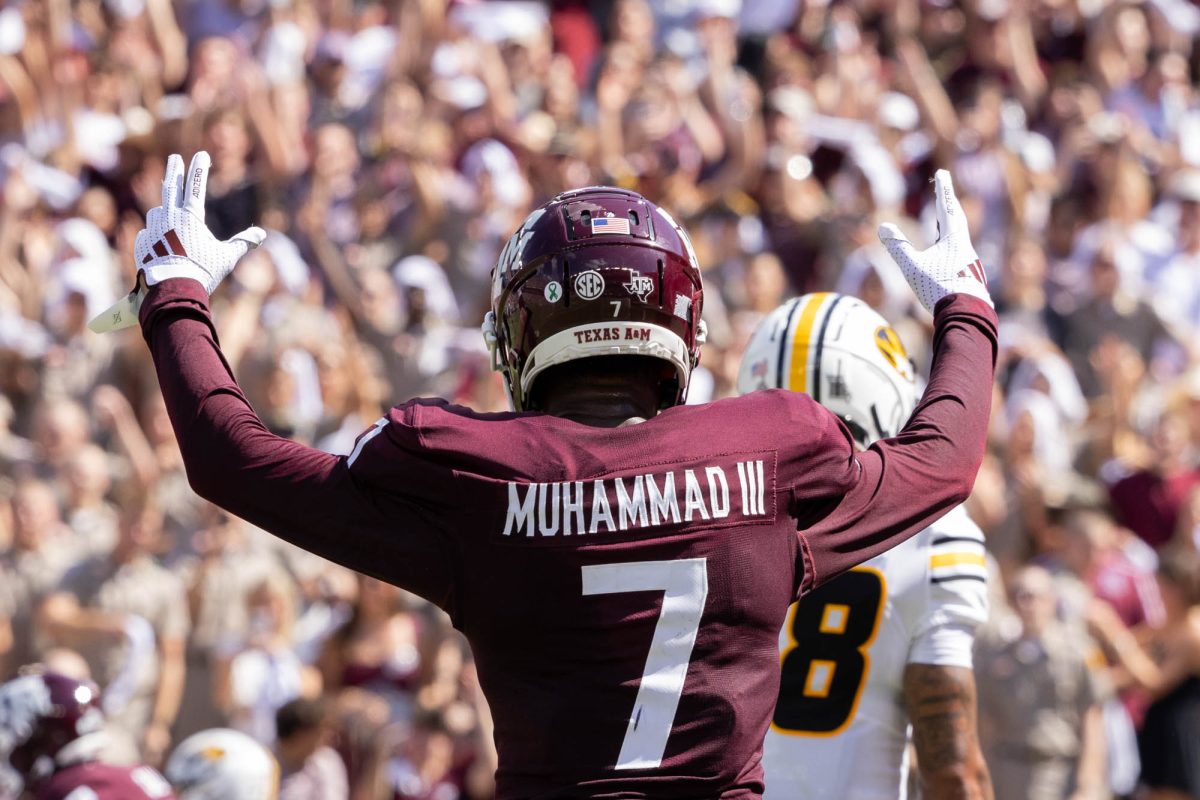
<point x="1132" y="593"/>
<point x="1148" y="503"/>
<point x="622" y="589"/>
<point x="95" y="781"/>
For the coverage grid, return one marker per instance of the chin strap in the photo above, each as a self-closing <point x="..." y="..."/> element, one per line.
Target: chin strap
<point x="488" y="329"/>
<point x="701" y="338"/>
<point x="492" y="341"/>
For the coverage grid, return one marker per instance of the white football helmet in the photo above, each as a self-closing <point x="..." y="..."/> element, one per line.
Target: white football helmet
<point x="223" y="764"/>
<point x="837" y="349"/>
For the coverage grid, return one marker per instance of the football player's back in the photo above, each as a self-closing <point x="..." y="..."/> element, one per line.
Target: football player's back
<point x="624" y="595"/>
<point x="620" y="563"/>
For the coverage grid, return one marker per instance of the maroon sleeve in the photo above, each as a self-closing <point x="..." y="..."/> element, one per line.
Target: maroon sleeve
<point x="98" y="781"/>
<point x="869" y="502"/>
<point x="300" y="494"/>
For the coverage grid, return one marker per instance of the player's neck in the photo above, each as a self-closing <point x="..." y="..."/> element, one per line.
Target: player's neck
<point x="601" y="411"/>
<point x="604" y="393"/>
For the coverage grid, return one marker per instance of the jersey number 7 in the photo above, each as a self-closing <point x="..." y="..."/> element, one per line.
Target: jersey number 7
<point x="826" y="667"/>
<point x="684" y="584"/>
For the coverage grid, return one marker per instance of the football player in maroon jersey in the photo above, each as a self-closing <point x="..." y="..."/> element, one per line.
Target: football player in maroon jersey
<point x="620" y="563"/>
<point x="52" y="733"/>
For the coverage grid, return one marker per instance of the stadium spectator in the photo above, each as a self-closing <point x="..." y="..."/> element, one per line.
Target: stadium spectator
<point x="1039" y="705"/>
<point x="263" y="672"/>
<point x="1091" y="551"/>
<point x="128" y="616"/>
<point x="37" y="560"/>
<point x="424" y="768"/>
<point x="379" y="648"/>
<point x="1165" y="662"/>
<point x="309" y="768"/>
<point x="218" y="577"/>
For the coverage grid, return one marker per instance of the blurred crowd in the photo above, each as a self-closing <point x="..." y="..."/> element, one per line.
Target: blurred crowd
<point x="390" y="147"/>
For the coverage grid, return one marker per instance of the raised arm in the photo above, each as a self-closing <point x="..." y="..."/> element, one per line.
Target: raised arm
<point x="901" y="485"/>
<point x="300" y="494"/>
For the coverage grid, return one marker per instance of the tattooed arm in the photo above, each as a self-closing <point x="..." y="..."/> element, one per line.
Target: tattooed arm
<point x="941" y="706"/>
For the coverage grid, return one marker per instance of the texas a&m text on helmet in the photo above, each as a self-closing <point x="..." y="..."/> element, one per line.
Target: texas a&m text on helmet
<point x="596" y="271"/>
<point x="837" y="349"/>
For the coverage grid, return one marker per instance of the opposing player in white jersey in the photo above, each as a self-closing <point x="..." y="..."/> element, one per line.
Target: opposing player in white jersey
<point x="888" y="643"/>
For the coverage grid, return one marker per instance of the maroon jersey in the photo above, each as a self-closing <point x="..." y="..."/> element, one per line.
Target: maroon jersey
<point x="622" y="589"/>
<point x="95" y="781"/>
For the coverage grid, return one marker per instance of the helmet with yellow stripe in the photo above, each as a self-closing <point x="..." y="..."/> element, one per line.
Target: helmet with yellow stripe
<point x="839" y="350"/>
<point x="223" y="764"/>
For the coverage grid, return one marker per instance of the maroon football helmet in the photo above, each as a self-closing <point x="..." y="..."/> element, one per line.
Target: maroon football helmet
<point x="595" y="272"/>
<point x="41" y="713"/>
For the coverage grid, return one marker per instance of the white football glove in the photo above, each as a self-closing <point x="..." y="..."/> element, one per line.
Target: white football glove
<point x="177" y="244"/>
<point x="951" y="266"/>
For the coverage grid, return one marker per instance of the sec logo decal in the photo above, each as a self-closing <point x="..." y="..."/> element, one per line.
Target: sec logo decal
<point x="589" y="285"/>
